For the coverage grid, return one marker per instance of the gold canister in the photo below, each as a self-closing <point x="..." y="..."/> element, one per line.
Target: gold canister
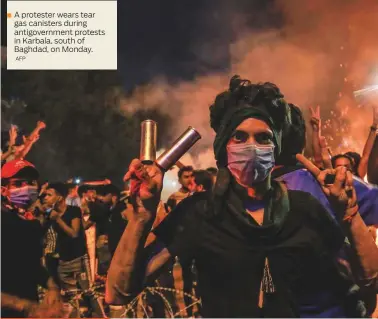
<point x="148" y="142"/>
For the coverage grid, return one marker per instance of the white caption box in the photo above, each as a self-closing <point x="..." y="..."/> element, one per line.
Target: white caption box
<point x="62" y="35"/>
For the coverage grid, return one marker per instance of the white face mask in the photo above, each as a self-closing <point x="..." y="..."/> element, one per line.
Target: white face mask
<point x="250" y="163"/>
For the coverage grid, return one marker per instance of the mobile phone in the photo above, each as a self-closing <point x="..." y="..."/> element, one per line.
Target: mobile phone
<point x="329" y="179"/>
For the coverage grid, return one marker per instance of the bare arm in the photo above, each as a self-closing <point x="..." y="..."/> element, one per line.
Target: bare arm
<point x="128" y="267"/>
<point x="12" y="142"/>
<point x="126" y="274"/>
<point x="364" y="252"/>
<point x="316" y="132"/>
<point x="15" y="303"/>
<point x="343" y="199"/>
<point x="33" y="137"/>
<point x="363" y="166"/>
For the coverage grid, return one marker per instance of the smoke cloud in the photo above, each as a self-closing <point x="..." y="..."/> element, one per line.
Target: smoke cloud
<point x="320" y="52"/>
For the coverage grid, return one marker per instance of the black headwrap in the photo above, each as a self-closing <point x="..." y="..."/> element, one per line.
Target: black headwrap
<point x="245" y="100"/>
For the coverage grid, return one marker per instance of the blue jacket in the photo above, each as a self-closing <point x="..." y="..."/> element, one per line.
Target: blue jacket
<point x="367" y="194"/>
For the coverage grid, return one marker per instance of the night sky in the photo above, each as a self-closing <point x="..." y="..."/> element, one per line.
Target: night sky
<point x="166" y="37"/>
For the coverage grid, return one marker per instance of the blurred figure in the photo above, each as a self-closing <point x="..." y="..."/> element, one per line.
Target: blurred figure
<point x="118" y="218"/>
<point x="73" y="198"/>
<point x="213" y="171"/>
<point x="343" y="160"/>
<point x="356" y="162"/>
<point x="202" y="181"/>
<point x="73" y="270"/>
<point x="71" y="243"/>
<point x="185" y="178"/>
<point x="22" y="271"/>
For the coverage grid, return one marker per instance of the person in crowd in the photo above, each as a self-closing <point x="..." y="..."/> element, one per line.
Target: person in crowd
<point x="73" y="270"/>
<point x="71" y="242"/>
<point x="343" y="160"/>
<point x="362" y="167"/>
<point x="108" y="195"/>
<point x="356" y="162"/>
<point x="8" y="144"/>
<point x="117" y="221"/>
<point x="202" y="181"/>
<point x="213" y="171"/>
<point x="359" y="164"/>
<point x="22" y="271"/>
<point x="73" y="198"/>
<point x="98" y="208"/>
<point x="259" y="248"/>
<point x="185" y="178"/>
<point x="290" y="171"/>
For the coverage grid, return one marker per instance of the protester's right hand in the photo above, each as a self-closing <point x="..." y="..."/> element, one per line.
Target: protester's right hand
<point x="146" y="183"/>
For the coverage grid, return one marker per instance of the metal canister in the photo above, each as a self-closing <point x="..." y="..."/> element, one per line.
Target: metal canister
<point x="148" y="142"/>
<point x="178" y="149"/>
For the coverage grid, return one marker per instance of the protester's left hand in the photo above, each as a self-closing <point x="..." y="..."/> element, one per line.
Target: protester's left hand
<point x="54" y="215"/>
<point x="341" y="193"/>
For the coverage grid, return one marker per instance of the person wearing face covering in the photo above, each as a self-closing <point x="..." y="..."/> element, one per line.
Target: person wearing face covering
<point x="22" y="271"/>
<point x="258" y="247"/>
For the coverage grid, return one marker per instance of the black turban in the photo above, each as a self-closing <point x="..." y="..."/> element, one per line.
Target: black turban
<point x="245" y="100"/>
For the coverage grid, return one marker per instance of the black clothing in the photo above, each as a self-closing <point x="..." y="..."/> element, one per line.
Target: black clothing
<point x="21" y="253"/>
<point x="116" y="226"/>
<point x="70" y="248"/>
<point x="99" y="214"/>
<point x="298" y="238"/>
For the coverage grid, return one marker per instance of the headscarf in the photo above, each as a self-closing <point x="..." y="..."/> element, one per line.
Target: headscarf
<point x="245" y="100"/>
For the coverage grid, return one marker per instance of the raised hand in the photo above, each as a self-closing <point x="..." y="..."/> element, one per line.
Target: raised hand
<point x="341" y="192"/>
<point x="315" y="119"/>
<point x="12" y="135"/>
<point x="325" y="152"/>
<point x="146" y="183"/>
<point x="41" y="125"/>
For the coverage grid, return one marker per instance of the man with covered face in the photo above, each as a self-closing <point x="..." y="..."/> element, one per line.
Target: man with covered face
<point x="260" y="249"/>
<point x="22" y="271"/>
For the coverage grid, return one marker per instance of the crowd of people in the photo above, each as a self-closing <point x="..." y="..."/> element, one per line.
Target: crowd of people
<point x="268" y="233"/>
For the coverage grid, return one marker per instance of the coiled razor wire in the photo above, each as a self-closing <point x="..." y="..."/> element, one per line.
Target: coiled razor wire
<point x="141" y="300"/>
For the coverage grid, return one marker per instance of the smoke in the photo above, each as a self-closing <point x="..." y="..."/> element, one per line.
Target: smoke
<point x="321" y="51"/>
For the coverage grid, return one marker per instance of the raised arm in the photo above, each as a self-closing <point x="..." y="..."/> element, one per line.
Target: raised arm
<point x="30" y="140"/>
<point x="363" y="166"/>
<point x="316" y="132"/>
<point x="342" y="196"/>
<point x="12" y="142"/>
<point x="128" y="268"/>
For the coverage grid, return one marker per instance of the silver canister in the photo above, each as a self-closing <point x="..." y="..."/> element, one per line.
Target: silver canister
<point x="178" y="149"/>
<point x="148" y="142"/>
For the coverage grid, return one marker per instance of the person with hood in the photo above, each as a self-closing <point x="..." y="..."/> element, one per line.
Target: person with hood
<point x="260" y="249"/>
<point x="22" y="234"/>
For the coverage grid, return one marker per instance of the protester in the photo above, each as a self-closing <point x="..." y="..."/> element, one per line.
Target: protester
<point x="185" y="178"/>
<point x="259" y="248"/>
<point x="73" y="270"/>
<point x="73" y="198"/>
<point x="343" y="160"/>
<point x="22" y="270"/>
<point x="71" y="242"/>
<point x="292" y="173"/>
<point x="202" y="181"/>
